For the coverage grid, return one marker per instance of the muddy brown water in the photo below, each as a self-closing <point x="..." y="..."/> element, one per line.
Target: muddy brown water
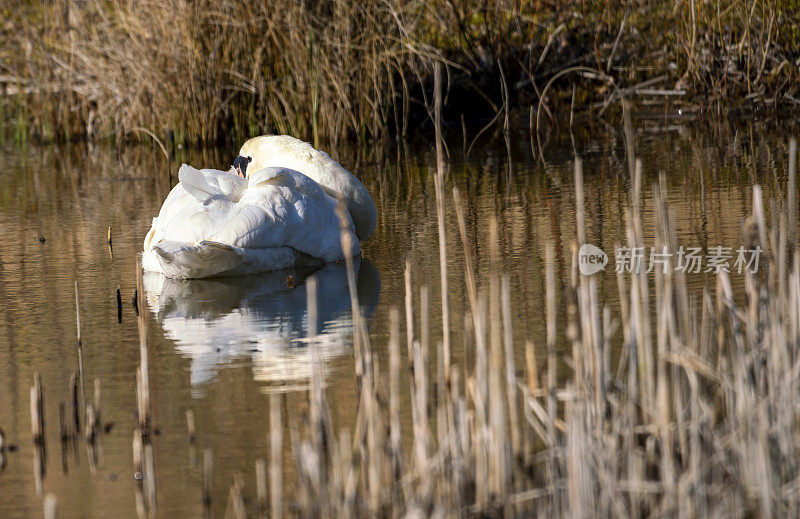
<point x="219" y="347"/>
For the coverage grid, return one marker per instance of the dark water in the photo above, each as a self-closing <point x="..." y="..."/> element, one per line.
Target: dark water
<point x="219" y="347"/>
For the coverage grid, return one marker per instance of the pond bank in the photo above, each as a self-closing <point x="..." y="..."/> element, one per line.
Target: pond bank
<point x="219" y="72"/>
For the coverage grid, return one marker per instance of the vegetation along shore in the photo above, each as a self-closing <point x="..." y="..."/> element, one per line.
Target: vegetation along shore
<point x="203" y="71"/>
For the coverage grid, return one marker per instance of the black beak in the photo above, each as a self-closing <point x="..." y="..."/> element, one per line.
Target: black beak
<point x="240" y="165"/>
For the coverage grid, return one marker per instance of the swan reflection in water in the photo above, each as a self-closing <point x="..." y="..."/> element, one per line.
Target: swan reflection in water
<point x="264" y="317"/>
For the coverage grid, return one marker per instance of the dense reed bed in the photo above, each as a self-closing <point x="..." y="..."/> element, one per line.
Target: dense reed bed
<point x="206" y="71"/>
<point x="696" y="417"/>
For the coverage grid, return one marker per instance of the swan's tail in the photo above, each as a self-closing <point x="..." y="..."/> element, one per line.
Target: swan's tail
<point x="200" y="260"/>
<point x="209" y="258"/>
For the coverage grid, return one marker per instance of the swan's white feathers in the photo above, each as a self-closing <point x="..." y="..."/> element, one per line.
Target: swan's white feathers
<point x="210" y="226"/>
<point x="288" y="152"/>
<point x="205" y="184"/>
<point x="284" y="213"/>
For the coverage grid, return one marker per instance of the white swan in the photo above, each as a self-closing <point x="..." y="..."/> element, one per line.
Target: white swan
<point x="279" y="212"/>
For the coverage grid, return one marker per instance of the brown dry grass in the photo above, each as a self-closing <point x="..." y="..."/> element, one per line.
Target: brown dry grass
<point x="324" y="71"/>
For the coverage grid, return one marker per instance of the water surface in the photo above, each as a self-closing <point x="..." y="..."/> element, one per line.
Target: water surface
<point x="220" y="347"/>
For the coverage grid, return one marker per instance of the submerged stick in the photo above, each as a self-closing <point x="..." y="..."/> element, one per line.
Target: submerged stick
<point x="119" y="306"/>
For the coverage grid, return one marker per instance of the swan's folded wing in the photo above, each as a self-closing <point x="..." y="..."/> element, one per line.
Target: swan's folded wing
<point x="206" y="185"/>
<point x="252" y="226"/>
<point x="230" y="184"/>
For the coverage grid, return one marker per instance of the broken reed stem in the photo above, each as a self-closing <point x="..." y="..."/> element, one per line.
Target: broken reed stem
<point x="236" y="508"/>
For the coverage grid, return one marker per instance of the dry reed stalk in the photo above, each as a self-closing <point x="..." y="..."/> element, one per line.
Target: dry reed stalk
<point x="64" y="430"/>
<point x="138" y="472"/>
<point x="696" y="399"/>
<point x="261" y="487"/>
<point x="90" y="431"/>
<point x="50" y="506"/>
<point x="395" y="432"/>
<point x="579" y="218"/>
<point x="143" y="371"/>
<point x="275" y="461"/>
<point x="96" y="401"/>
<point x="190" y="426"/>
<point x="37" y="410"/>
<point x="80" y="350"/>
<point x="208" y="481"/>
<point x="360" y="337"/>
<point x="498" y="442"/>
<point x="73" y="384"/>
<point x="440" y="203"/>
<point x="150" y="479"/>
<point x="38" y="432"/>
<point x="424" y="325"/>
<point x="791" y="193"/>
<point x="235" y="508"/>
<point x="409" y="312"/>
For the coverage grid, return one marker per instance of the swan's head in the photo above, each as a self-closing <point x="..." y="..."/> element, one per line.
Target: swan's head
<point x="256" y="154"/>
<point x="240" y="165"/>
<point x="287" y="152"/>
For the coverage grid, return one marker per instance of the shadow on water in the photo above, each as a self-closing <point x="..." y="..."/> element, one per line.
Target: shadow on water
<point x="215" y="322"/>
